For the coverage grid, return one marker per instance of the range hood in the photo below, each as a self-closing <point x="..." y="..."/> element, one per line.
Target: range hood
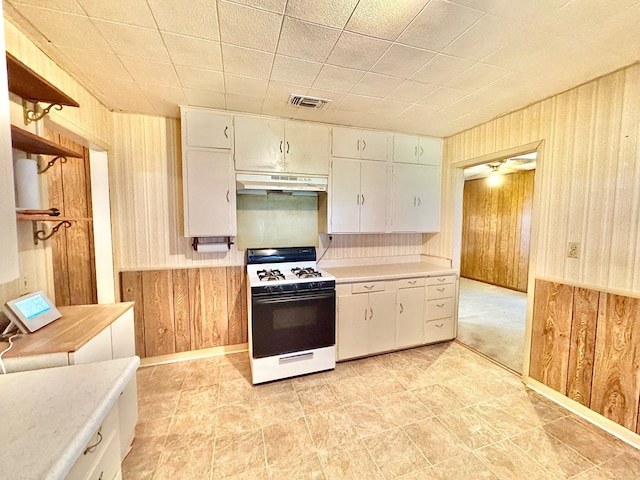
<point x="249" y="182"/>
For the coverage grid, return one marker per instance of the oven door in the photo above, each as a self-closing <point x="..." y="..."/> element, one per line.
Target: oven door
<point x="292" y="322"/>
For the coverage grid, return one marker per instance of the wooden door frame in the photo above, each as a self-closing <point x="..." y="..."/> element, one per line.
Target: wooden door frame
<point x="457" y="172"/>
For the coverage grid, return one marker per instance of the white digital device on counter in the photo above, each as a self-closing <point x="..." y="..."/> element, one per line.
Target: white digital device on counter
<point x="30" y="312"/>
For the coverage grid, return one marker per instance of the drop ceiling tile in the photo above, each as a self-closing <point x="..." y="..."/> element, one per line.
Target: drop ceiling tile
<point x="331" y="14"/>
<point x="204" y="98"/>
<point x="130" y="41"/>
<point x="106" y="64"/>
<point x="245" y="86"/>
<point x="165" y="100"/>
<point x="306" y="40"/>
<point x="193" y="52"/>
<point x="66" y="6"/>
<point x="483" y="38"/>
<point x="200" y="79"/>
<point x="439" y="24"/>
<point x="402" y="61"/>
<point x="418" y="112"/>
<point x="529" y="12"/>
<point x="575" y="19"/>
<point x="244" y="61"/>
<point x="441" y="69"/>
<point x="311" y="114"/>
<point x="131" y="12"/>
<point x="240" y="103"/>
<point x="248" y="27"/>
<point x="276" y="6"/>
<point x="66" y="30"/>
<point x="477" y="77"/>
<point x="411" y="91"/>
<point x="383" y="18"/>
<point x="483" y="5"/>
<point x="376" y="85"/>
<point x="197" y="19"/>
<point x="357" y="51"/>
<point x="301" y="72"/>
<point x="122" y="95"/>
<point x="335" y="97"/>
<point x="389" y="108"/>
<point x="443" y="97"/>
<point x="278" y="109"/>
<point x="280" y="92"/>
<point x="337" y="78"/>
<point x="156" y="73"/>
<point x="357" y="103"/>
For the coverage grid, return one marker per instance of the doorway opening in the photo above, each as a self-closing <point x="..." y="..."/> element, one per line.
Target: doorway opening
<point x="497" y="206"/>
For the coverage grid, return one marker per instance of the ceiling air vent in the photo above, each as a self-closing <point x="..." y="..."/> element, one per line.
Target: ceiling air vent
<point x="308" y="102"/>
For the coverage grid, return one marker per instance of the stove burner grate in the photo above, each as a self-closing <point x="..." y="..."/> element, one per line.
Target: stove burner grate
<point x="305" y="272"/>
<point x="270" y="275"/>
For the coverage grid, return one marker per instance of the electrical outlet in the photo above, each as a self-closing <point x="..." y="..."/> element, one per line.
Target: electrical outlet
<point x="573" y="250"/>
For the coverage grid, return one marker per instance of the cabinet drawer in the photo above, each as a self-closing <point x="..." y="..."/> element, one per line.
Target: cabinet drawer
<point x="101" y="440"/>
<point x="439" y="308"/>
<point x="368" y="287"/>
<point x="108" y="467"/>
<point x="411" y="282"/>
<point x="440" y="291"/>
<point x="441" y="280"/>
<point x="438" y="330"/>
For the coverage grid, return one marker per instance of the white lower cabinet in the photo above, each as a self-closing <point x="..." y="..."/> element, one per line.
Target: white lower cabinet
<point x="440" y="318"/>
<point x="366" y="319"/>
<point x="410" y="312"/>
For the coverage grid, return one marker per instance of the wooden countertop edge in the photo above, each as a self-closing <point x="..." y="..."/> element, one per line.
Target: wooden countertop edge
<point x="78" y="325"/>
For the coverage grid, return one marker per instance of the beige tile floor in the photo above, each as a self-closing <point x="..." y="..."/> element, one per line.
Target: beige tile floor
<point x="435" y="412"/>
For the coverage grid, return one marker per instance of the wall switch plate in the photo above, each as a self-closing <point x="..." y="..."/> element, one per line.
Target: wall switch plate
<point x="573" y="250"/>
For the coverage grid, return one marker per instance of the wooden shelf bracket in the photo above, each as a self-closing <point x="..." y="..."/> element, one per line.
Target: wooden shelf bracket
<point x="52" y="162"/>
<point x="37" y="113"/>
<point x="42" y="234"/>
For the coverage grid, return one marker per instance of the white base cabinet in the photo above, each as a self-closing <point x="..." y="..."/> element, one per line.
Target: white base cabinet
<point x="385" y="315"/>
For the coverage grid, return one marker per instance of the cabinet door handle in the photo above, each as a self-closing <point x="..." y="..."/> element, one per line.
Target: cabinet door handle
<point x="370" y="313"/>
<point x="421" y="151"/>
<point x="91" y="448"/>
<point x="364" y="145"/>
<point x="368" y="287"/>
<point x="401" y="308"/>
<point x="414" y="201"/>
<point x="226" y="129"/>
<point x="362" y="199"/>
<point x="419" y="201"/>
<point x="358" y="145"/>
<point x="365" y="314"/>
<point x="416" y="151"/>
<point x="287" y="147"/>
<point x="412" y="282"/>
<point x="280" y="146"/>
<point x="440" y="289"/>
<point x="358" y="198"/>
<point x="227" y="196"/>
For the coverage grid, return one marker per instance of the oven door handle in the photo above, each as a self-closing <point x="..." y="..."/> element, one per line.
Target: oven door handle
<point x="295" y="297"/>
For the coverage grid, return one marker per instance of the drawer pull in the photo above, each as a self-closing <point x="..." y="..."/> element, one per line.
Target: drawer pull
<point x="440" y="326"/>
<point x="440" y="305"/>
<point x="368" y="287"/>
<point x="226" y="129"/>
<point x="91" y="448"/>
<point x="440" y="289"/>
<point x="441" y="279"/>
<point x="101" y="475"/>
<point x="401" y="308"/>
<point x="412" y="282"/>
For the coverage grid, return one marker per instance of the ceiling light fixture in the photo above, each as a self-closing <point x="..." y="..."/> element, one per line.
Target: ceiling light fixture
<point x="495" y="178"/>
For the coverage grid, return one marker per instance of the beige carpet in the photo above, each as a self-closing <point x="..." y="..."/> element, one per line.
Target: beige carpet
<point x="491" y="320"/>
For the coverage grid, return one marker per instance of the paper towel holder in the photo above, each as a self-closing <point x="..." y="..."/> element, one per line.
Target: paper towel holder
<point x="211" y="241"/>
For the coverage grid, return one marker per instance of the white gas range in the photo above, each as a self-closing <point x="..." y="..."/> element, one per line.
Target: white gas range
<point x="291" y="313"/>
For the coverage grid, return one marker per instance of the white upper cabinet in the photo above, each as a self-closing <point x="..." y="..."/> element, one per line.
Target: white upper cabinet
<point x="306" y="148"/>
<point x="209" y="193"/>
<point x="270" y="145"/>
<point x="203" y="128"/>
<point x="363" y="144"/>
<point x="358" y="197"/>
<point x="416" y="198"/>
<point x="421" y="150"/>
<point x="259" y="144"/>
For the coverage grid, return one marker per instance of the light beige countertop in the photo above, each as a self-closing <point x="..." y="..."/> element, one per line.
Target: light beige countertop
<point x="50" y="415"/>
<point x="392" y="271"/>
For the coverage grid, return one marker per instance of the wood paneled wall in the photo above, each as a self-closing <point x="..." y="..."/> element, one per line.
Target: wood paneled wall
<point x="186" y="309"/>
<point x="589" y="179"/>
<point x="496" y="228"/>
<point x="585" y="345"/>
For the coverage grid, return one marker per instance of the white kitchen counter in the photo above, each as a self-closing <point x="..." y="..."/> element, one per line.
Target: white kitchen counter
<point x="50" y="415"/>
<point x="365" y="273"/>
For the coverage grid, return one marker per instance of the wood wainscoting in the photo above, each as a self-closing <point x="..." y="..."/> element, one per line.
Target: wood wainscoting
<point x="181" y="310"/>
<point x="496" y="230"/>
<point x="586" y="345"/>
